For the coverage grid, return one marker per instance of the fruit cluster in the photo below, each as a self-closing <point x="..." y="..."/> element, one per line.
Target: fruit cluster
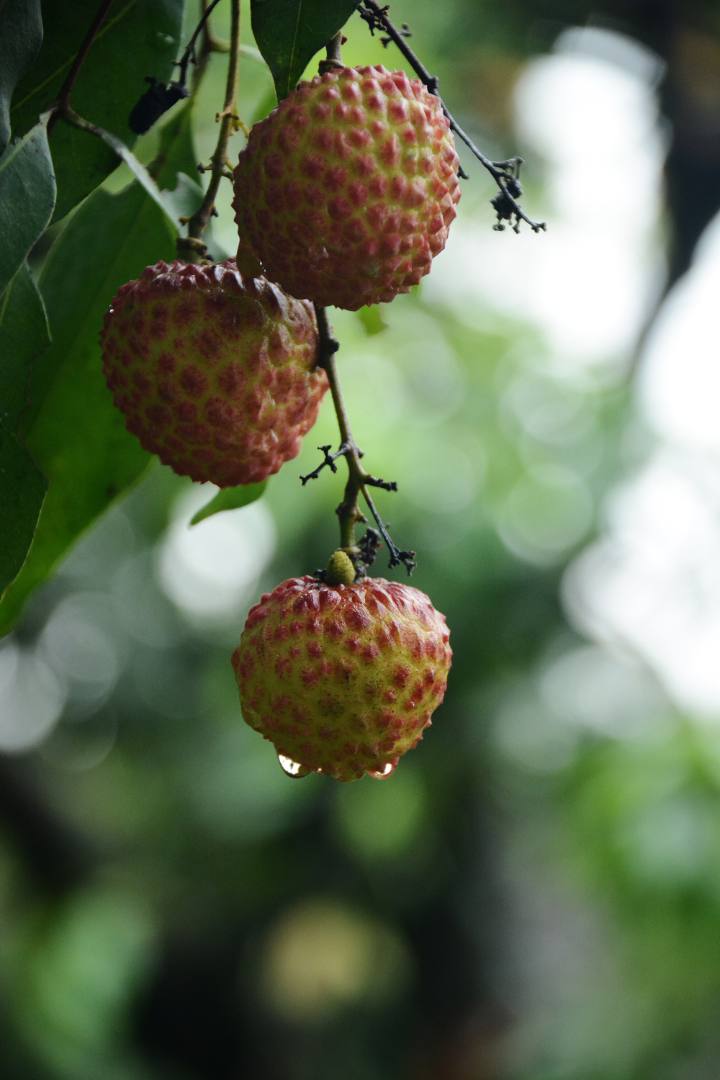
<point x="342" y="196"/>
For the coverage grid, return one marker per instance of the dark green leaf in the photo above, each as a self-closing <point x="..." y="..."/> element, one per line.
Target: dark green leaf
<point x="176" y="153"/>
<point x="175" y="164"/>
<point x="140" y="173"/>
<point x="230" y="499"/>
<point x="24" y="341"/>
<point x="290" y="32"/>
<point x="22" y="490"/>
<point x="19" y="42"/>
<point x="139" y="38"/>
<point x="78" y="437"/>
<point x="27" y="197"/>
<point x="186" y="197"/>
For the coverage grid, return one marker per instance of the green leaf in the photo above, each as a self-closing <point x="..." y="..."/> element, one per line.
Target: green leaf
<point x="24" y="341"/>
<point x="176" y="152"/>
<point x="27" y="197"/>
<point x="185" y="198"/>
<point x="230" y="499"/>
<point x="138" y="38"/>
<point x="290" y="32"/>
<point x="78" y="437"/>
<point x="175" y="164"/>
<point x="20" y="40"/>
<point x="22" y="490"/>
<point x="140" y="173"/>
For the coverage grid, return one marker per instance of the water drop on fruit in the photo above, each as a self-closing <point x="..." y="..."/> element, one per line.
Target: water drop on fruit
<point x="385" y="773"/>
<point x="292" y="768"/>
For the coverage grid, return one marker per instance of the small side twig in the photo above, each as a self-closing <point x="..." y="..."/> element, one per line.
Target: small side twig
<point x="504" y="173"/>
<point x="386" y="485"/>
<point x="189" y="55"/>
<point x="397" y="555"/>
<point x="327" y="463"/>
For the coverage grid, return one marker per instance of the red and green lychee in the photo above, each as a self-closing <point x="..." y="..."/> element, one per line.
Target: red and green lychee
<point x="346" y="191"/>
<point x="215" y="372"/>
<point x="342" y="679"/>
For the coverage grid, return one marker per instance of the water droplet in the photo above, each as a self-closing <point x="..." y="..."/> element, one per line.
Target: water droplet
<point x="385" y="773"/>
<point x="293" y="768"/>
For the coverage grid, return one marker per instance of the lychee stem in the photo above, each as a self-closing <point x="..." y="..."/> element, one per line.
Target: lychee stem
<point x="358" y="479"/>
<point x="333" y="54"/>
<point x="218" y="163"/>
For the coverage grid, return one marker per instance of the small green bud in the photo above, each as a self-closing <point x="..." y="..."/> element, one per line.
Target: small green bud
<point x="340" y="569"/>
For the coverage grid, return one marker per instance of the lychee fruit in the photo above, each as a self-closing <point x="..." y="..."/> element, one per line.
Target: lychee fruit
<point x="346" y="191"/>
<point x="342" y="679"/>
<point x="215" y="372"/>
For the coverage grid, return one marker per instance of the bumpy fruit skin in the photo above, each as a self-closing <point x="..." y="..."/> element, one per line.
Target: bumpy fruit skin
<point x="346" y="191"/>
<point x="215" y="373"/>
<point x="342" y="679"/>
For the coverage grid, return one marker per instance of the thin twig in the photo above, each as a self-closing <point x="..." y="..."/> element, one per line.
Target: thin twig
<point x="228" y="124"/>
<point x="407" y="558"/>
<point x="211" y="44"/>
<point x="63" y="98"/>
<point x="328" y="462"/>
<point x="504" y="173"/>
